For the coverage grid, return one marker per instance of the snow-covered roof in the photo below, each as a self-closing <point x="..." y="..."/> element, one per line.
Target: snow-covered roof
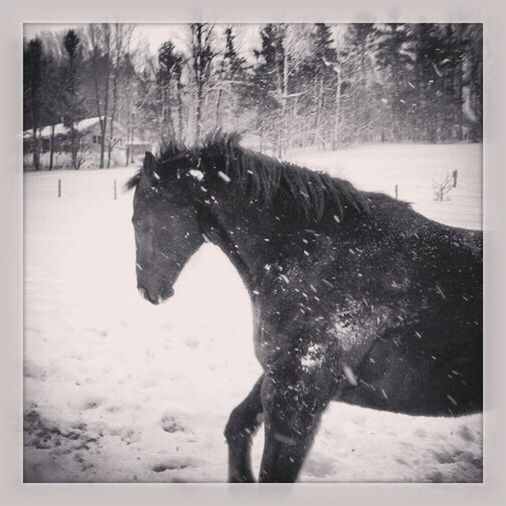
<point x="61" y="129"/>
<point x="136" y="140"/>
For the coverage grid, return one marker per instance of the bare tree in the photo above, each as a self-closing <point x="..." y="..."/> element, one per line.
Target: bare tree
<point x="100" y="36"/>
<point x="337" y="67"/>
<point x="293" y="45"/>
<point x="442" y="187"/>
<point x="121" y="39"/>
<point x="202" y="56"/>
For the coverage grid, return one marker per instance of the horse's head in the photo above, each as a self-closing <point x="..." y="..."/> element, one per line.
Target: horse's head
<point x="167" y="232"/>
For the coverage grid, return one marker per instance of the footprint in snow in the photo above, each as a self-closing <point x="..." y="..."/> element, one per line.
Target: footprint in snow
<point x="34" y="371"/>
<point x="319" y="468"/>
<point x="170" y="465"/>
<point x="127" y="435"/>
<point x="435" y="477"/>
<point x="169" y="424"/>
<point x="84" y="464"/>
<point x="46" y="435"/>
<point x="193" y="344"/>
<point x="471" y="458"/>
<point x="403" y="462"/>
<point x="114" y="409"/>
<point x="443" y="457"/>
<point x="91" y="404"/>
<point x="466" y="434"/>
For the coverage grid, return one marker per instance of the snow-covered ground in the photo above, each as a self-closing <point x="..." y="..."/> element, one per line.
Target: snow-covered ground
<point x="119" y="390"/>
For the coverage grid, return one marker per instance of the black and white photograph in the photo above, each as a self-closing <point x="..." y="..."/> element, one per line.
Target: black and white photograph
<point x="252" y="252"/>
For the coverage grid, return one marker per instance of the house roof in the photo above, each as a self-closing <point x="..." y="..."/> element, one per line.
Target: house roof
<point x="61" y="129"/>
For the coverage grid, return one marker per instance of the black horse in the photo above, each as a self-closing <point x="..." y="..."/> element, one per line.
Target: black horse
<point x="356" y="297"/>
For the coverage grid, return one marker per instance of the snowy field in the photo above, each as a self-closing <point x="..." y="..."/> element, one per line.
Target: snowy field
<point x="118" y="390"/>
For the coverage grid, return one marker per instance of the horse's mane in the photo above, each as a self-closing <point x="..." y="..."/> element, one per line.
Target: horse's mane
<point x="260" y="177"/>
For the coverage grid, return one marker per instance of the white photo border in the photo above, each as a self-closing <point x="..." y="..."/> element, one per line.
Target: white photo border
<point x="491" y="13"/>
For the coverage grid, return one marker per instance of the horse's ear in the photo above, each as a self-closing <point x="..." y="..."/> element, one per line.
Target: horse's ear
<point x="149" y="165"/>
<point x="149" y="171"/>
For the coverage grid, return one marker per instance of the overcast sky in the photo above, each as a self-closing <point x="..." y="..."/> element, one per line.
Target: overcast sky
<point x="247" y="36"/>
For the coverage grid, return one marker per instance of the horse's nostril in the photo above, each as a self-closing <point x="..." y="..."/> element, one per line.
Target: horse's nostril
<point x="167" y="292"/>
<point x="142" y="291"/>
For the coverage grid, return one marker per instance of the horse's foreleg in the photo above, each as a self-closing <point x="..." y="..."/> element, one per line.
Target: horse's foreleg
<point x="292" y="412"/>
<point x="242" y="424"/>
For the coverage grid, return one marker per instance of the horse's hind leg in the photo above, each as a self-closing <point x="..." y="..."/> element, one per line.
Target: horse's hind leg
<point x="242" y="424"/>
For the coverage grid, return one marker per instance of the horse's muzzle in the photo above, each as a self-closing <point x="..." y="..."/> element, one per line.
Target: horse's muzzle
<point x="164" y="294"/>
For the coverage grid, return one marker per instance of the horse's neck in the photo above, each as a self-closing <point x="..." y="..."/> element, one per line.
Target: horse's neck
<point x="243" y="234"/>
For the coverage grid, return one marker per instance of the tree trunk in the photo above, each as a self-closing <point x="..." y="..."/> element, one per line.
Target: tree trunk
<point x="110" y="144"/>
<point x="180" y="111"/>
<point x="132" y="141"/>
<point x="319" y="112"/>
<point x="170" y="122"/>
<point x="103" y="130"/>
<point x="73" y="146"/>
<point x="198" y="112"/>
<point x="218" y="109"/>
<point x="198" y="82"/>
<point x="102" y="114"/>
<point x="51" y="148"/>
<point x="114" y="106"/>
<point x="104" y="125"/>
<point x="283" y="142"/>
<point x="337" y="117"/>
<point x="35" y="149"/>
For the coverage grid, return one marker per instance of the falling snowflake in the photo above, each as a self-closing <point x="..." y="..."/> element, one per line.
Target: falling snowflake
<point x="350" y="375"/>
<point x="224" y="176"/>
<point x="197" y="174"/>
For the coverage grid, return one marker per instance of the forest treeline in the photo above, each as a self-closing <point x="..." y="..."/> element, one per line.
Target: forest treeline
<point x="296" y="85"/>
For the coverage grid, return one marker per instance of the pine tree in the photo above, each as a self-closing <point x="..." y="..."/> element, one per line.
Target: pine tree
<point x="73" y="104"/>
<point x="429" y="82"/>
<point x="266" y="83"/>
<point x="325" y="57"/>
<point x="32" y="73"/>
<point x="231" y="81"/>
<point x="169" y="80"/>
<point x="147" y="103"/>
<point x="360" y="83"/>
<point x="396" y="58"/>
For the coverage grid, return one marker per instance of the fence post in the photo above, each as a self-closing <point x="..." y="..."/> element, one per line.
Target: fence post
<point x="397" y="191"/>
<point x="454" y="174"/>
<point x="59" y="187"/>
<point x="115" y="190"/>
